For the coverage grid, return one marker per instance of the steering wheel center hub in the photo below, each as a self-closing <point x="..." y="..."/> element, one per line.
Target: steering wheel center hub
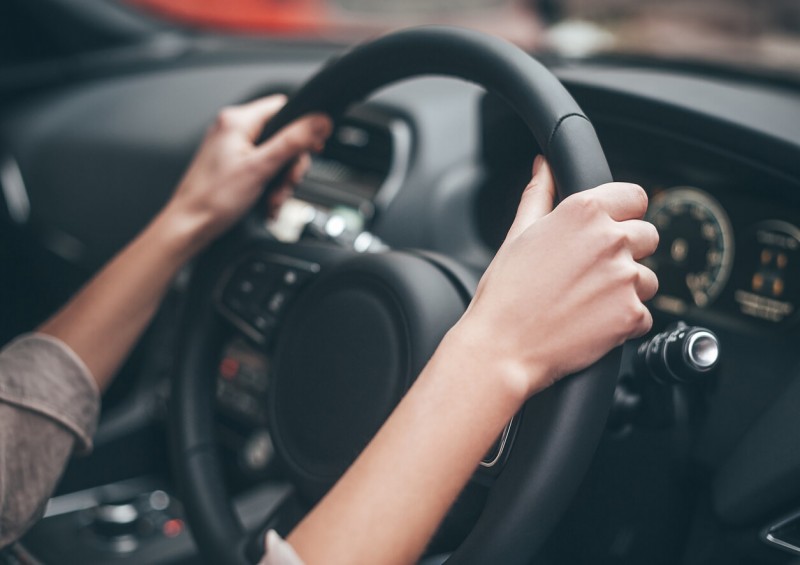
<point x="349" y="350"/>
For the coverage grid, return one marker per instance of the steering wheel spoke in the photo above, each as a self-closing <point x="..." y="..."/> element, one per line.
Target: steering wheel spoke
<point x="254" y="292"/>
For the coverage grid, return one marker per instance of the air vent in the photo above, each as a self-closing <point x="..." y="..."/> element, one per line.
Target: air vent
<point x="363" y="162"/>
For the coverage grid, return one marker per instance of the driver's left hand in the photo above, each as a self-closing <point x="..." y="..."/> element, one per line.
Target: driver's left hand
<point x="229" y="171"/>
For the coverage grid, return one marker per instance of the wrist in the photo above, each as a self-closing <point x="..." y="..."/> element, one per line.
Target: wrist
<point x="478" y="352"/>
<point x="180" y="234"/>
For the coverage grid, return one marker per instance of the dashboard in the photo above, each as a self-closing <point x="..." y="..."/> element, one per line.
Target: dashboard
<point x="728" y="253"/>
<point x="439" y="165"/>
<point x="728" y="258"/>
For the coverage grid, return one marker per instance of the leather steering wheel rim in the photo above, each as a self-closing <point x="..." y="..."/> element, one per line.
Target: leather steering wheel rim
<point x="559" y="429"/>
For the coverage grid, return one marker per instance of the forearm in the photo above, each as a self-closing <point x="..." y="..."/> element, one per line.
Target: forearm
<point x="226" y="177"/>
<point x="105" y="319"/>
<point x="431" y="444"/>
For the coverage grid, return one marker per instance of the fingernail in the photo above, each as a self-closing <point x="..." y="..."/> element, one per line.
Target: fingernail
<point x="537" y="163"/>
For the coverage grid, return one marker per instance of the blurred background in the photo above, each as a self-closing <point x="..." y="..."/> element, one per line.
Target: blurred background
<point x="757" y="34"/>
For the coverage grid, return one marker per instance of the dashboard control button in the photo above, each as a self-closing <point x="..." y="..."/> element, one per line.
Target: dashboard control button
<point x="254" y="293"/>
<point x="159" y="500"/>
<point x="276" y="302"/>
<point x="264" y="324"/>
<point x="258" y="451"/>
<point x="116" y="519"/>
<point x="229" y="368"/>
<point x="258" y="267"/>
<point x="245" y="287"/>
<point x="290" y="277"/>
<point x="243" y="397"/>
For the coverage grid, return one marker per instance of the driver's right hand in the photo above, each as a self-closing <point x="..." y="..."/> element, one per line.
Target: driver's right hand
<point x="566" y="286"/>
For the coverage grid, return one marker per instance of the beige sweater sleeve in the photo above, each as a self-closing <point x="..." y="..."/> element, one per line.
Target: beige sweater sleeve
<point x="49" y="404"/>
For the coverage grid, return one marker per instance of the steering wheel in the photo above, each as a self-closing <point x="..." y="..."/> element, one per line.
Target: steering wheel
<point x="361" y="327"/>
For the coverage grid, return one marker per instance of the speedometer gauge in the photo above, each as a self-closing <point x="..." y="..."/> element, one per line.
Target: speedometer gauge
<point x="695" y="251"/>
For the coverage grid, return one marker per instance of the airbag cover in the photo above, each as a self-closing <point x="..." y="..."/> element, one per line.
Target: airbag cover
<point x="350" y="348"/>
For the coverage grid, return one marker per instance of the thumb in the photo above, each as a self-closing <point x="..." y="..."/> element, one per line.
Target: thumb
<point x="537" y="198"/>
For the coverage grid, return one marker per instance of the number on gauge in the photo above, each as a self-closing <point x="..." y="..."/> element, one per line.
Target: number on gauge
<point x="695" y="252"/>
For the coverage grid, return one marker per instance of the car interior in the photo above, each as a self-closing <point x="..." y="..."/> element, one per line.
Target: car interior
<point x="696" y="461"/>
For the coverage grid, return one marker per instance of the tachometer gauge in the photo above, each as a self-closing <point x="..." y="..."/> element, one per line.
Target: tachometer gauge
<point x="695" y="252"/>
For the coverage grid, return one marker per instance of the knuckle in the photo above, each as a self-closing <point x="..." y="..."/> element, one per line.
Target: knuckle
<point x="636" y="317"/>
<point x="585" y="204"/>
<point x="612" y="240"/>
<point x="634" y="273"/>
<point x="647" y="322"/>
<point x="623" y="239"/>
<point x="629" y="273"/>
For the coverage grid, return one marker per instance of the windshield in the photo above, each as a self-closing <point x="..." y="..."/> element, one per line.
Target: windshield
<point x="763" y="34"/>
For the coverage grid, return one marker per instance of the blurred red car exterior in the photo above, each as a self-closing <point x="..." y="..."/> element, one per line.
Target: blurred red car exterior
<point x="279" y="16"/>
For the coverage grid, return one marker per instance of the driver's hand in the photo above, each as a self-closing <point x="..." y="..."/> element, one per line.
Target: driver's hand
<point x="229" y="171"/>
<point x="565" y="286"/>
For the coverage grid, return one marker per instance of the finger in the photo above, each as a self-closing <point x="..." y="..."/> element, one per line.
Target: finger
<point x="622" y="201"/>
<point x="301" y="136"/>
<point x="537" y="198"/>
<point x="299" y="169"/>
<point x="646" y="284"/>
<point x="644" y="323"/>
<point x="278" y="197"/>
<point x="253" y="116"/>
<point x="642" y="237"/>
<point x="285" y="190"/>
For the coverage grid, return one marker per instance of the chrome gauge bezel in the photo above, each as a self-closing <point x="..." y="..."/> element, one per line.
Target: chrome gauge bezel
<point x="715" y="210"/>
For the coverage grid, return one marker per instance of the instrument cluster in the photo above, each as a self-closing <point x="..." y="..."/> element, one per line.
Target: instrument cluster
<point x="736" y="259"/>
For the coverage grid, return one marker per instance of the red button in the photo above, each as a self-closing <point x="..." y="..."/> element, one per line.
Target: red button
<point x="229" y="368"/>
<point x="172" y="528"/>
